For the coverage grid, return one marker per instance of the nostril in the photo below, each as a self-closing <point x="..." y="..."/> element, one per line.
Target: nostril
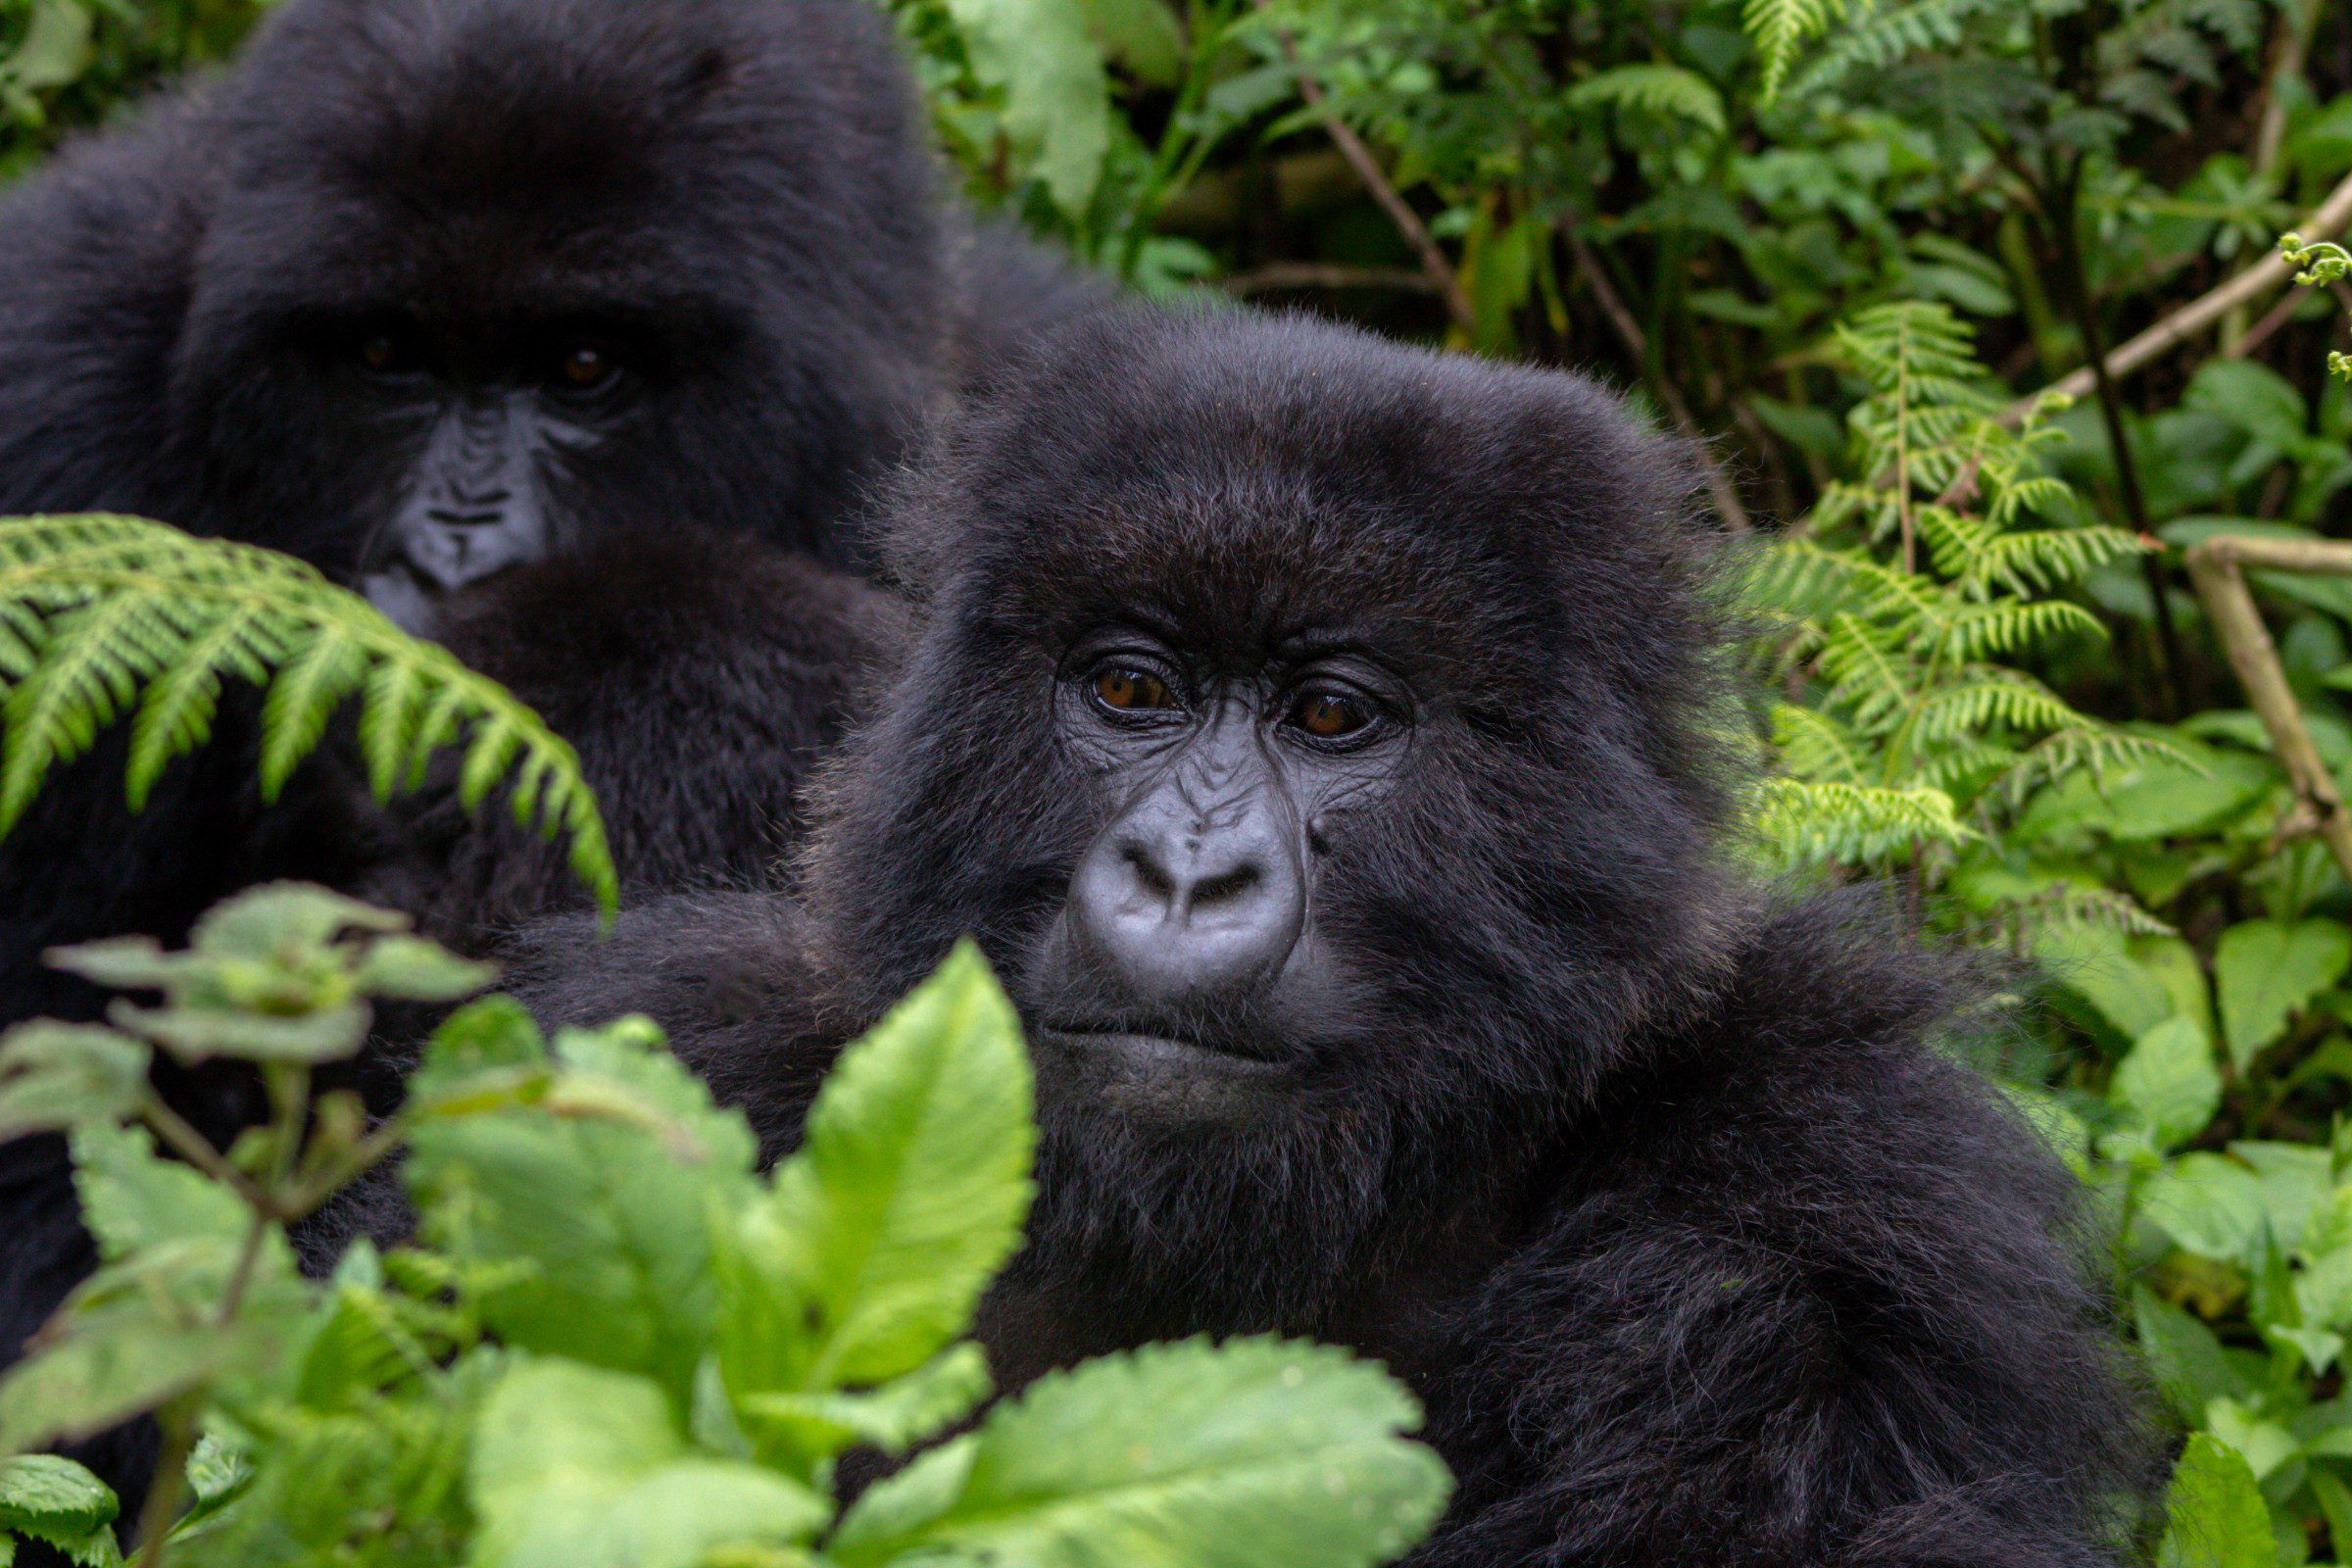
<point x="1231" y="885"/>
<point x="1147" y="871"/>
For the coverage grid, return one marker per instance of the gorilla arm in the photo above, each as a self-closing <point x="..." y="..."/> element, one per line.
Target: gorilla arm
<point x="1810" y="1302"/>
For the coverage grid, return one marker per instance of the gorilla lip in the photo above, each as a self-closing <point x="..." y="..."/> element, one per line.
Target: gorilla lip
<point x="1148" y="1052"/>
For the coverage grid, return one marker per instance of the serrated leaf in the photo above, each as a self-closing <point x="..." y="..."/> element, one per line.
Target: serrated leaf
<point x="893" y="1418"/>
<point x="54" y="1076"/>
<point x="2265" y="971"/>
<point x="574" y="1467"/>
<point x="47" y="1496"/>
<point x="605" y="1199"/>
<point x="2214" y="1513"/>
<point x="414" y="969"/>
<point x="2169" y="1082"/>
<point x="132" y="1199"/>
<point x="867" y="1254"/>
<point x="1257" y="1453"/>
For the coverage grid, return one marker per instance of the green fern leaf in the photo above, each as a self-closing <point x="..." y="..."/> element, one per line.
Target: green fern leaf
<point x="101" y="613"/>
<point x="1779" y="28"/>
<point x="1655" y="87"/>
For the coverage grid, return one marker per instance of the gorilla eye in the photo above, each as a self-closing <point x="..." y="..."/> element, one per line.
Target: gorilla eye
<point x="389" y="350"/>
<point x="1128" y="689"/>
<point x="585" y="368"/>
<point x="1329" y="715"/>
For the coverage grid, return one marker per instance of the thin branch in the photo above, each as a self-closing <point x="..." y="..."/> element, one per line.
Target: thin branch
<point x="2214" y="567"/>
<point x="1367" y="169"/>
<point x="2260" y="333"/>
<point x="2271" y="271"/>
<point x="1720" y="489"/>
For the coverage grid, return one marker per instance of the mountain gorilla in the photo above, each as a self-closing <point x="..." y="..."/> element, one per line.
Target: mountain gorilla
<point x="427" y="291"/>
<point x="1326" y="741"/>
<point x="567" y="329"/>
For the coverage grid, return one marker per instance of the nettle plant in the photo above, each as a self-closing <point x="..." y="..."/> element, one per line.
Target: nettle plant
<point x="614" y="1341"/>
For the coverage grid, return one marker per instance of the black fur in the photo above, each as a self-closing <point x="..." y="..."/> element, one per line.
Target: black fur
<point x="1652" y="1183"/>
<point x="740" y="190"/>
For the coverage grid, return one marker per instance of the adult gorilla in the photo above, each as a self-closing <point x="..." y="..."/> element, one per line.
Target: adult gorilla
<point x="569" y="329"/>
<point x="1323" y="738"/>
<point x="426" y="291"/>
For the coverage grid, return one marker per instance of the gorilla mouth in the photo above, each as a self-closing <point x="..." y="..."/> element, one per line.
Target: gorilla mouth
<point x="1153" y="1053"/>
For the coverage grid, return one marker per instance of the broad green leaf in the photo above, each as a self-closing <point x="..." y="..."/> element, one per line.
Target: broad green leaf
<point x="2264" y="1445"/>
<point x="1140" y="35"/>
<point x="2209" y="1205"/>
<point x="605" y="1197"/>
<point x="2187" y="1357"/>
<point x="54" y="1076"/>
<point x="1041" y="57"/>
<point x="52" y="1497"/>
<point x="1257" y="1453"/>
<point x="893" y="1418"/>
<point x="2155" y="799"/>
<point x="2095" y="963"/>
<point x="2214" y="1513"/>
<point x="2294" y="1180"/>
<point x="573" y="1467"/>
<point x="145" y="1331"/>
<point x="2169" y="1082"/>
<point x="407" y="968"/>
<point x="868" y="1253"/>
<point x="2267" y="970"/>
<point x="132" y="1198"/>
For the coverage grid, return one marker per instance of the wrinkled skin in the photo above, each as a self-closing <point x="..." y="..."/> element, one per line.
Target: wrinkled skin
<point x="1325" y="742"/>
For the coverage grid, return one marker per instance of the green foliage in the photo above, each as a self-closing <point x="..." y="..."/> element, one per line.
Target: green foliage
<point x="1905" y="598"/>
<point x="616" y="1344"/>
<point x="102" y="615"/>
<point x="1849" y="244"/>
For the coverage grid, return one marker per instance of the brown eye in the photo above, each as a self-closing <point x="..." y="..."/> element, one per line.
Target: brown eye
<point x="1329" y="715"/>
<point x="584" y="368"/>
<point x="1131" y="690"/>
<point x="386" y="351"/>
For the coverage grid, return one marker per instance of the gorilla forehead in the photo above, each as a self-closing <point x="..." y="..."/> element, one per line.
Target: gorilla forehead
<point x="1247" y="478"/>
<point x="451" y="141"/>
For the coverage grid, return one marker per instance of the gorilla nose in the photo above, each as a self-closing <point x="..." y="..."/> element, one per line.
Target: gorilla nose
<point x="1183" y="906"/>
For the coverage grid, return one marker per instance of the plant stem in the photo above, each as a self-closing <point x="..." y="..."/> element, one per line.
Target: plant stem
<point x="163" y="1495"/>
<point x="2066" y="234"/>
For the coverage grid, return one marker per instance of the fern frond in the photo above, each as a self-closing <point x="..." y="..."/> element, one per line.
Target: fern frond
<point x="1798" y="824"/>
<point x="1922" y="28"/>
<point x="2010" y="625"/>
<point x="1996" y="698"/>
<point x="1779" y="28"/>
<point x="98" y="613"/>
<point x="1655" y="87"/>
<point x="1816" y="748"/>
<point x="2068" y="904"/>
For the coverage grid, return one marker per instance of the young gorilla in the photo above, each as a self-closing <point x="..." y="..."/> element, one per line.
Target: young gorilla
<point x="1324" y="740"/>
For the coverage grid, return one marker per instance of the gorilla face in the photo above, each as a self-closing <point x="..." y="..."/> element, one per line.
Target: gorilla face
<point x="1317" y="734"/>
<point x="1178" y="975"/>
<point x="486" y="276"/>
